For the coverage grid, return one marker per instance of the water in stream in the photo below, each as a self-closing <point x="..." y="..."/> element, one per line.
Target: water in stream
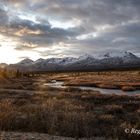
<point x="59" y="84"/>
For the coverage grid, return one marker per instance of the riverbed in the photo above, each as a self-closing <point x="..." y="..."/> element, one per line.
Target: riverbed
<point x="59" y="84"/>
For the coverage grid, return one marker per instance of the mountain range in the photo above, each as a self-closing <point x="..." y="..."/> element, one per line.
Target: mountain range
<point x="110" y="60"/>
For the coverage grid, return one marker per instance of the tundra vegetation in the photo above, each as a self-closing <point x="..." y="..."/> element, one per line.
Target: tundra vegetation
<point x="28" y="105"/>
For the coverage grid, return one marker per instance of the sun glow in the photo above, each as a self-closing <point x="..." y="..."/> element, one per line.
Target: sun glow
<point x="65" y="25"/>
<point x="7" y="52"/>
<point x="6" y="57"/>
<point x="87" y="36"/>
<point x="10" y="55"/>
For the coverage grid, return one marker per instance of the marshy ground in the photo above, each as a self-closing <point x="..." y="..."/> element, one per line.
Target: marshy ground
<point x="125" y="80"/>
<point x="28" y="105"/>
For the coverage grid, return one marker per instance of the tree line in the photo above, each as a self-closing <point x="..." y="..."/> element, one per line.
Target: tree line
<point x="16" y="73"/>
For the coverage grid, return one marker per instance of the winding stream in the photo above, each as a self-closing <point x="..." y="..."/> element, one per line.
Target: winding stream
<point x="59" y="84"/>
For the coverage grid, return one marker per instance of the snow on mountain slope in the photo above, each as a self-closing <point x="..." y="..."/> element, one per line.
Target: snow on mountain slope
<point x="61" y="61"/>
<point x="26" y="61"/>
<point x="116" y="54"/>
<point x="85" y="62"/>
<point x="39" y="61"/>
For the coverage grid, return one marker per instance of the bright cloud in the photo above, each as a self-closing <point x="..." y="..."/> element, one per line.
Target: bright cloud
<point x="58" y="28"/>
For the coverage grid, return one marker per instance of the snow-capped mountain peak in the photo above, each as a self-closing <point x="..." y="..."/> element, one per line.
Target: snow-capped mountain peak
<point x="26" y="61"/>
<point x="62" y="61"/>
<point x="116" y="54"/>
<point x="85" y="56"/>
<point x="40" y="60"/>
<point x="109" y="60"/>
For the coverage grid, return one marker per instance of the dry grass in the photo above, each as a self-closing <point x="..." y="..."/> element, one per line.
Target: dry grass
<point x="68" y="112"/>
<point x="125" y="80"/>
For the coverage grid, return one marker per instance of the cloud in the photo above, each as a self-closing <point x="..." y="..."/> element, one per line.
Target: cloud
<point x="3" y="16"/>
<point x="81" y="26"/>
<point x="26" y="46"/>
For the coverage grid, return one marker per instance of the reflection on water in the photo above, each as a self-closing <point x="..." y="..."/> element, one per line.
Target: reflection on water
<point x="59" y="84"/>
<point x="56" y="84"/>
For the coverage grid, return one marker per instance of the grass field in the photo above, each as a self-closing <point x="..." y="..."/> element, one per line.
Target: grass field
<point x="125" y="80"/>
<point x="27" y="105"/>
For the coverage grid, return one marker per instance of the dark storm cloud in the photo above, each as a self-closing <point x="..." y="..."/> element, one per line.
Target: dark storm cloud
<point x="41" y="34"/>
<point x="122" y="37"/>
<point x="29" y="31"/>
<point x="114" y="23"/>
<point x="3" y="16"/>
<point x="92" y="11"/>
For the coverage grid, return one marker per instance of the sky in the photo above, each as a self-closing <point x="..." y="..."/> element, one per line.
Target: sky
<point x="58" y="28"/>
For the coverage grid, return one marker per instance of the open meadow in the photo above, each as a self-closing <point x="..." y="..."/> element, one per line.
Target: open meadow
<point x="29" y="104"/>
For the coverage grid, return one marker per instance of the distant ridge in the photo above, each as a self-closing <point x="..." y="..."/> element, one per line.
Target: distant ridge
<point x="109" y="60"/>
